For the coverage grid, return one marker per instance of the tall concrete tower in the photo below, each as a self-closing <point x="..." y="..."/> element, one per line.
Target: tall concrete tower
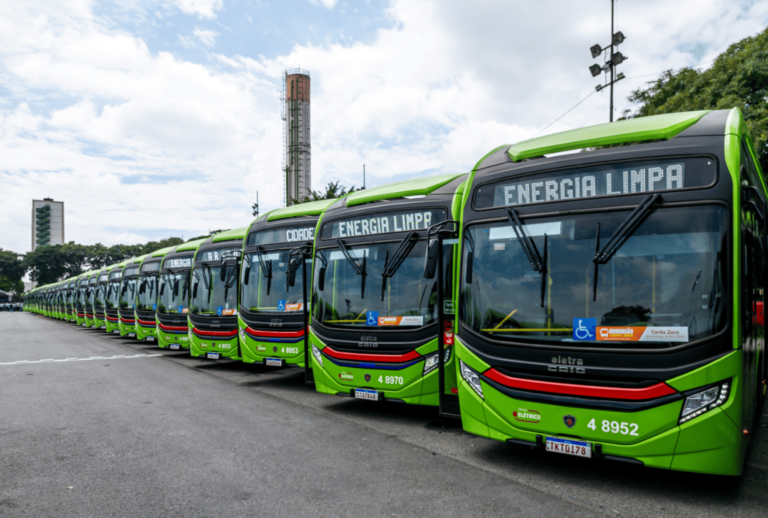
<point x="47" y="222"/>
<point x="297" y="161"/>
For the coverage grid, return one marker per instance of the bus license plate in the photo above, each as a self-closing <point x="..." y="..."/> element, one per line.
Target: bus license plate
<point x="274" y="362"/>
<point x="568" y="447"/>
<point x="213" y="356"/>
<point x="150" y="339"/>
<point x="371" y="395"/>
<point x="175" y="347"/>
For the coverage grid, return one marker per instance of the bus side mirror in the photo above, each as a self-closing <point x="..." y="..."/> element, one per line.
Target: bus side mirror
<point x="468" y="273"/>
<point x="321" y="278"/>
<point x="246" y="275"/>
<point x="223" y="273"/>
<point x="162" y="290"/>
<point x="430" y="262"/>
<point x="194" y="291"/>
<point x="143" y="287"/>
<point x="122" y="292"/>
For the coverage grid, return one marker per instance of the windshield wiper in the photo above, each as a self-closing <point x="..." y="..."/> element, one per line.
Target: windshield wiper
<point x="266" y="268"/>
<point x="230" y="280"/>
<point x="356" y="265"/>
<point x="398" y="257"/>
<point x="620" y="236"/>
<point x="538" y="263"/>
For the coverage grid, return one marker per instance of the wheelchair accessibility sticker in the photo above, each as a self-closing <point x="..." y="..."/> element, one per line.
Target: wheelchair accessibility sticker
<point x="584" y="329"/>
<point x="372" y="318"/>
<point x="281" y="305"/>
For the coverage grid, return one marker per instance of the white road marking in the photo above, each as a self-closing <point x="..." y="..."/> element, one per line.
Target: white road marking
<point x="118" y="357"/>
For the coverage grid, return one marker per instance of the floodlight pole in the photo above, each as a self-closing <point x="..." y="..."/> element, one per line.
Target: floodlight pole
<point x="610" y="118"/>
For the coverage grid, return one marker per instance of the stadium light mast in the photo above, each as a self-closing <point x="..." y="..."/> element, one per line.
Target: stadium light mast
<point x="611" y="61"/>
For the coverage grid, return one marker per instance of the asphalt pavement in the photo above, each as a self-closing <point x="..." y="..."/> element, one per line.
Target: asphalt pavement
<point x="97" y="425"/>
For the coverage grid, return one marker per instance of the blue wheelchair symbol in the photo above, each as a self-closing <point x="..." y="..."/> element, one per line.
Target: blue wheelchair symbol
<point x="181" y="309"/>
<point x="154" y="307"/>
<point x="584" y="328"/>
<point x="372" y="318"/>
<point x="220" y="310"/>
<point x="281" y="305"/>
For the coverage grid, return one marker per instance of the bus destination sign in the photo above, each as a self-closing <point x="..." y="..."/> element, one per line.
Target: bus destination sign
<point x="383" y="223"/>
<point x="607" y="180"/>
<point x="282" y="235"/>
<point x="179" y="262"/>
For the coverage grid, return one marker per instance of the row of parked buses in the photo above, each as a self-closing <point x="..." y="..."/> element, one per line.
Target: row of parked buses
<point x="598" y="304"/>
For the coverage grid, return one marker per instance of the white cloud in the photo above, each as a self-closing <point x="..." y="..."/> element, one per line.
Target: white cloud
<point x="207" y="37"/>
<point x="140" y="142"/>
<point x="202" y="8"/>
<point x="330" y="4"/>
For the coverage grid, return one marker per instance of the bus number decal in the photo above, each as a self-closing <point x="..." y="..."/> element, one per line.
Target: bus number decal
<point x="391" y="380"/>
<point x="615" y="427"/>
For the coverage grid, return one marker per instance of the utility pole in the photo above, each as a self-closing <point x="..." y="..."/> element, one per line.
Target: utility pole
<point x="610" y="116"/>
<point x="611" y="61"/>
<point x="255" y="206"/>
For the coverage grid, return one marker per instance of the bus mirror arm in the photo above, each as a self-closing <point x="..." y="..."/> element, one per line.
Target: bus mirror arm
<point x="430" y="261"/>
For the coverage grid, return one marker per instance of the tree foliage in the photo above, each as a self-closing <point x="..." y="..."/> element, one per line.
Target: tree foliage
<point x="50" y="263"/>
<point x="332" y="191"/>
<point x="737" y="79"/>
<point x="11" y="272"/>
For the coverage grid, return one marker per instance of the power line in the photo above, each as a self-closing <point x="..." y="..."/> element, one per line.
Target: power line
<point x="563" y="115"/>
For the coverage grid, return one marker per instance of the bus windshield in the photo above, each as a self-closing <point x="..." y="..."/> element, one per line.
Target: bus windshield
<point x="211" y="295"/>
<point x="112" y="294"/>
<point x="267" y="289"/>
<point x="664" y="286"/>
<point x="147" y="297"/>
<point x="173" y="292"/>
<point x="128" y="289"/>
<point x="346" y="298"/>
<point x="99" y="295"/>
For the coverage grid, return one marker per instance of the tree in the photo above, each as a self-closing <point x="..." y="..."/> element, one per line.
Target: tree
<point x="332" y="191"/>
<point x="154" y="246"/>
<point x="11" y="272"/>
<point x="737" y="79"/>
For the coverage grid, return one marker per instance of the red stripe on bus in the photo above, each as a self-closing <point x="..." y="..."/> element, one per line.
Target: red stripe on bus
<point x="173" y="328"/>
<point x="390" y="358"/>
<point x="215" y="333"/>
<point x="126" y="321"/>
<point x="112" y="319"/>
<point x="654" y="391"/>
<point x="275" y="334"/>
<point x="147" y="322"/>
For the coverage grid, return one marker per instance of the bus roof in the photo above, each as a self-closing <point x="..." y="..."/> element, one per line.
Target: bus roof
<point x="190" y="245"/>
<point x="139" y="260"/>
<point x="237" y="233"/>
<point x="162" y="251"/>
<point x="417" y="187"/>
<point x="654" y="127"/>
<point x="312" y="208"/>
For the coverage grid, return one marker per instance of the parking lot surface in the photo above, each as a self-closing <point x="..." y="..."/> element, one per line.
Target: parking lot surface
<point x="98" y="425"/>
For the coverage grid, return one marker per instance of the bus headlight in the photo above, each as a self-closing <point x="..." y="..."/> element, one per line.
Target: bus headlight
<point x="317" y="355"/>
<point x="430" y="363"/>
<point x="705" y="400"/>
<point x="472" y="377"/>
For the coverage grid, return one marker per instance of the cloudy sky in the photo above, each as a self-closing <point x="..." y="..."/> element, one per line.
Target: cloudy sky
<point x="153" y="118"/>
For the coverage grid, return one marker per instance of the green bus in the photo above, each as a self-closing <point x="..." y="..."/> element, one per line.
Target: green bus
<point x="61" y="288"/>
<point x="127" y="300"/>
<point x="70" y="294"/>
<point x="607" y="299"/>
<point x="81" y="296"/>
<point x="213" y="304"/>
<point x="173" y="296"/>
<point x="99" y="299"/>
<point x="271" y="315"/>
<point x="146" y="295"/>
<point x="55" y="301"/>
<point x="375" y="319"/>
<point x="112" y="297"/>
<point x="90" y="298"/>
